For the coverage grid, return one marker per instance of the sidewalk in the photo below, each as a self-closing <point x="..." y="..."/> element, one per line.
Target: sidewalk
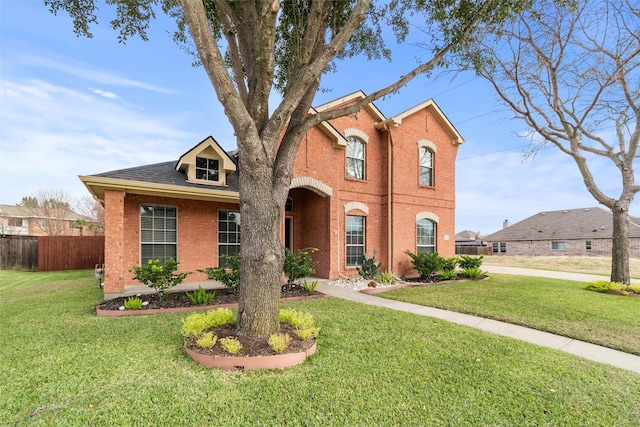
<point x="568" y="345"/>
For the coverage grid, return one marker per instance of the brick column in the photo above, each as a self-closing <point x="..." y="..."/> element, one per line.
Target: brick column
<point x="114" y="242"/>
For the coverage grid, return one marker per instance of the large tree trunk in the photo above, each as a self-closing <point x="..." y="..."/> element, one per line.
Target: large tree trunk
<point x="620" y="244"/>
<point x="261" y="252"/>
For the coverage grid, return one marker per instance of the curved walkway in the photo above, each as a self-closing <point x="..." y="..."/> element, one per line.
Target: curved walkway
<point x="582" y="349"/>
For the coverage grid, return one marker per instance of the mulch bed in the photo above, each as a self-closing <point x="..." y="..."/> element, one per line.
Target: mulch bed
<point x="179" y="299"/>
<point x="252" y="347"/>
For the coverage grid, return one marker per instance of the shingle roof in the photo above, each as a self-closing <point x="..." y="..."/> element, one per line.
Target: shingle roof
<point x="587" y="223"/>
<point x="24" y="212"/>
<point x="165" y="173"/>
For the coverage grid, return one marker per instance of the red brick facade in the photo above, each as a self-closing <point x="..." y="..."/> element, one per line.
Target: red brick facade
<point x="390" y="198"/>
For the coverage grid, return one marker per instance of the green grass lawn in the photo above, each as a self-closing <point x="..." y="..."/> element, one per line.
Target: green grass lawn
<point x="558" y="306"/>
<point x="62" y="365"/>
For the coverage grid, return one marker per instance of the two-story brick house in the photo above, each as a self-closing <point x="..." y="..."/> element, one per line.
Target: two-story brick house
<point x="361" y="183"/>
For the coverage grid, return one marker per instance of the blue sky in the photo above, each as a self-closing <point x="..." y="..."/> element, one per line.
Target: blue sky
<point x="72" y="106"/>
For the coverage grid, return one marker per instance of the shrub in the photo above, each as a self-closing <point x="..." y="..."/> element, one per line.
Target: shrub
<point x="369" y="268"/>
<point x="228" y="274"/>
<point x="635" y="288"/>
<point x="468" y="261"/>
<point x="448" y="274"/>
<point x="279" y="342"/>
<point x="231" y="345"/>
<point x="449" y="264"/>
<point x="160" y="277"/>
<point x="310" y="287"/>
<point x="197" y="323"/>
<point x="427" y="263"/>
<point x="298" y="264"/>
<point x="386" y="278"/>
<point x="604" y="286"/>
<point x="133" y="303"/>
<point x="307" y="333"/>
<point x="473" y="273"/>
<point x="296" y="319"/>
<point x="207" y="340"/>
<point x="200" y="296"/>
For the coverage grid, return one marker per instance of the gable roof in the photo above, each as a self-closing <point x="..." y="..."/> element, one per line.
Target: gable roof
<point x="430" y="105"/>
<point x="228" y="162"/>
<point x="353" y="97"/>
<point x="585" y="223"/>
<point x="25" y="212"/>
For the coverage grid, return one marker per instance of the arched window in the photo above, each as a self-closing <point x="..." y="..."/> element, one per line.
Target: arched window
<point x="426" y="235"/>
<point x="355" y="157"/>
<point x="426" y="167"/>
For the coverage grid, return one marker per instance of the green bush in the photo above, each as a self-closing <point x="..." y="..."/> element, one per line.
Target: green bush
<point x="635" y="288"/>
<point x="200" y="297"/>
<point x="197" y="323"/>
<point x="231" y="345"/>
<point x="160" y="277"/>
<point x="298" y="264"/>
<point x="295" y="318"/>
<point x="448" y="274"/>
<point x="307" y="333"/>
<point x="228" y="274"/>
<point x="449" y="264"/>
<point x="604" y="286"/>
<point x="279" y="342"/>
<point x="133" y="303"/>
<point x="309" y="287"/>
<point x="207" y="340"/>
<point x="386" y="278"/>
<point x="369" y="268"/>
<point x="427" y="263"/>
<point x="468" y="261"/>
<point x="473" y="273"/>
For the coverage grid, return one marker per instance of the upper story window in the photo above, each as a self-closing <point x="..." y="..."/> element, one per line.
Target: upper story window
<point x="355" y="158"/>
<point x="207" y="169"/>
<point x="426" y="167"/>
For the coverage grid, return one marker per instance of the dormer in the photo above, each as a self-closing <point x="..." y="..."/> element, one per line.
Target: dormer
<point x="207" y="163"/>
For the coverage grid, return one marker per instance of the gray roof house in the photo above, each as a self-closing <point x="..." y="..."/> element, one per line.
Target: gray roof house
<point x="572" y="232"/>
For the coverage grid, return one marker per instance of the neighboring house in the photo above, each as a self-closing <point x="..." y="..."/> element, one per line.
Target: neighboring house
<point x="573" y="232"/>
<point x="471" y="243"/>
<point x="361" y="183"/>
<point x="24" y="221"/>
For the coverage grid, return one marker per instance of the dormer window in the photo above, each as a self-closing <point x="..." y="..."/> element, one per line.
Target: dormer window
<point x="207" y="169"/>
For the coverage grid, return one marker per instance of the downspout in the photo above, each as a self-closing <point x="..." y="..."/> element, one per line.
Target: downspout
<point x="389" y="208"/>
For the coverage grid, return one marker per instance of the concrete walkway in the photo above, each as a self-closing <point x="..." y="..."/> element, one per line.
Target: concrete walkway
<point x="578" y="348"/>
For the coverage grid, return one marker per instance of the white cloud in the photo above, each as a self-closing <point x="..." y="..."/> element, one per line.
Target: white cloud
<point x="105" y="94"/>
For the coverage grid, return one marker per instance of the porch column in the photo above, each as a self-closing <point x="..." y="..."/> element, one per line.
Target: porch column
<point x="114" y="242"/>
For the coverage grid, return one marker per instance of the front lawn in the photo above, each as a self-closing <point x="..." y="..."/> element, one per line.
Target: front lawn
<point x="62" y="365"/>
<point x="558" y="306"/>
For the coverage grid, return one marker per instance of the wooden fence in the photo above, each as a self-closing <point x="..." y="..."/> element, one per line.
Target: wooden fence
<point x="474" y="250"/>
<point x="51" y="253"/>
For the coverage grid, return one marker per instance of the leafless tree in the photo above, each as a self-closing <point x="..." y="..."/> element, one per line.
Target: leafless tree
<point x="53" y="209"/>
<point x="571" y="71"/>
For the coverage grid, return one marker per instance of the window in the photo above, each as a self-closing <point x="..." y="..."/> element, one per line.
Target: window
<point x="228" y="235"/>
<point x="558" y="245"/>
<point x="426" y="166"/>
<point x="288" y="207"/>
<point x="15" y="222"/>
<point x="355" y="240"/>
<point x="207" y="169"/>
<point x="158" y="233"/>
<point x="355" y="158"/>
<point x="75" y="224"/>
<point x="587" y="245"/>
<point x="499" y="247"/>
<point x="426" y="235"/>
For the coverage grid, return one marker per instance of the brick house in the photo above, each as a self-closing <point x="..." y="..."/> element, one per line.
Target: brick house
<point x="27" y="221"/>
<point x="361" y="183"/>
<point x="572" y="232"/>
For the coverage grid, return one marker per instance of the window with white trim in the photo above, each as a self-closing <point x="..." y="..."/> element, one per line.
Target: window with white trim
<point x="228" y="235"/>
<point x="426" y="235"/>
<point x="355" y="158"/>
<point x="355" y="240"/>
<point x="207" y="169"/>
<point x="587" y="245"/>
<point x="158" y="233"/>
<point x="426" y="166"/>
<point x="558" y="246"/>
<point x="500" y="247"/>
